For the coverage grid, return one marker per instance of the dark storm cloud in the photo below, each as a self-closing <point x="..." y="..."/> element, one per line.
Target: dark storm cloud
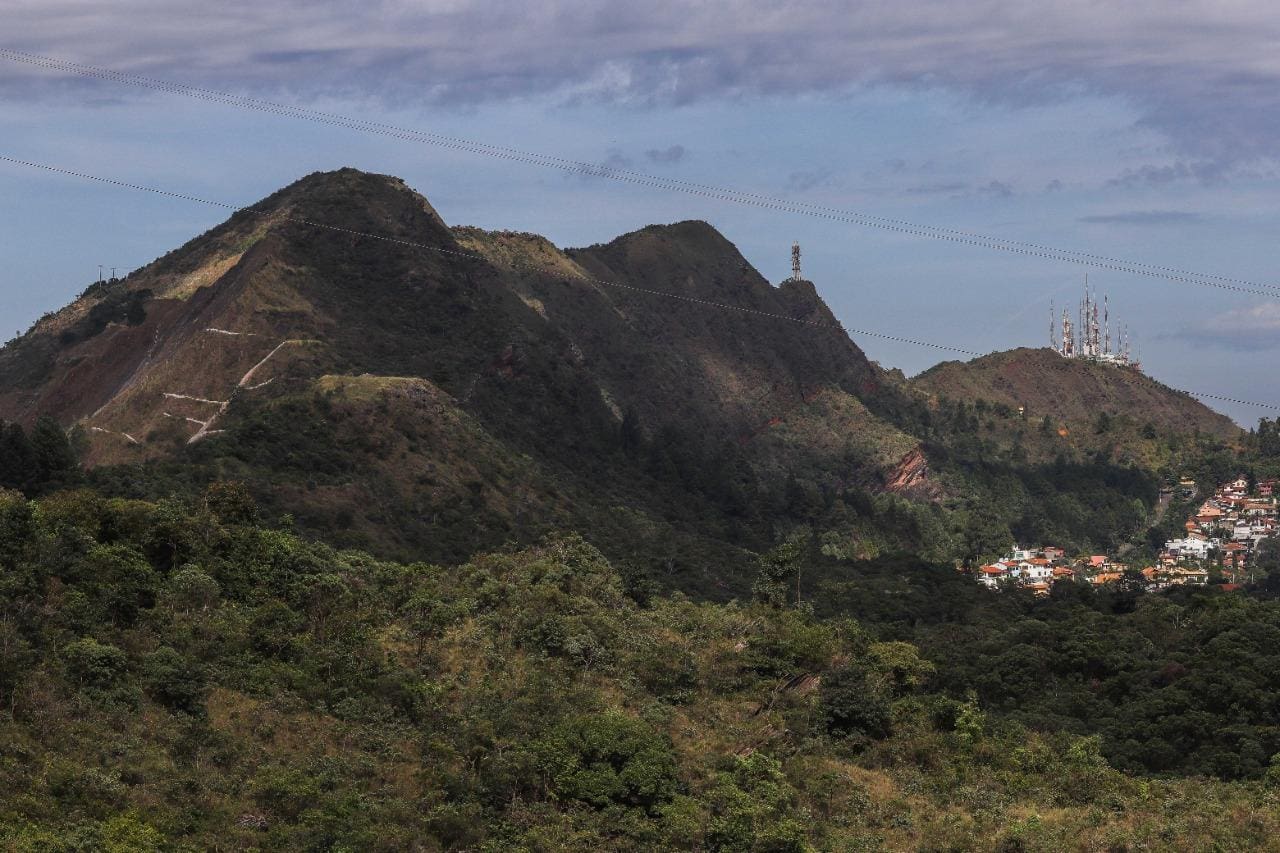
<point x="1203" y="72"/>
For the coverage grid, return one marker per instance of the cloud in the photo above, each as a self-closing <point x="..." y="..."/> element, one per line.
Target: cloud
<point x="673" y="154"/>
<point x="963" y="189"/>
<point x="938" y="188"/>
<point x="614" y="161"/>
<point x="1202" y="72"/>
<point x="1205" y="171"/>
<point x="807" y="180"/>
<point x="995" y="189"/>
<point x="1142" y="217"/>
<point x="1247" y="329"/>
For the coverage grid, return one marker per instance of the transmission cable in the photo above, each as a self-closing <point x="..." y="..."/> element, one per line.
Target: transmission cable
<point x="546" y="270"/>
<point x="751" y="199"/>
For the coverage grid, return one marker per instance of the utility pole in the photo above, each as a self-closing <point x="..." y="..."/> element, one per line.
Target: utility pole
<point x="99" y="273"/>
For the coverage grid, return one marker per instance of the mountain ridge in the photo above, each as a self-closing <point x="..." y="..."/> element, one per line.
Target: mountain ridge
<point x="270" y="348"/>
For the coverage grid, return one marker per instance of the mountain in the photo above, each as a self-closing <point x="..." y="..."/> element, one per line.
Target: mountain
<point x="1050" y="404"/>
<point x="394" y="382"/>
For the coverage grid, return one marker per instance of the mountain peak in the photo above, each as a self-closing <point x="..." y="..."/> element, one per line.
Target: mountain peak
<point x="1073" y="391"/>
<point x="348" y="191"/>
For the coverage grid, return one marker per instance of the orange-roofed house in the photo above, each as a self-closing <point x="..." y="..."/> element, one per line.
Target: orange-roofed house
<point x="991" y="576"/>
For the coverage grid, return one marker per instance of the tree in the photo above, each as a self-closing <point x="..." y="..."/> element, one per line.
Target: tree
<point x="629" y="434"/>
<point x="603" y="759"/>
<point x="55" y="461"/>
<point x="775" y="569"/>
<point x="855" y="703"/>
<point x="230" y="502"/>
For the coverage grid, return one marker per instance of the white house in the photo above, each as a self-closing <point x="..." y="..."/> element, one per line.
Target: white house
<point x="1197" y="549"/>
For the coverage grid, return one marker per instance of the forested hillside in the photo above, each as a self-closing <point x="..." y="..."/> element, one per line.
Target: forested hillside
<point x="179" y="676"/>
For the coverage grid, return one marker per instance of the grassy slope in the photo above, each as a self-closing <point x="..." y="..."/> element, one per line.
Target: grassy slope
<point x="1072" y="395"/>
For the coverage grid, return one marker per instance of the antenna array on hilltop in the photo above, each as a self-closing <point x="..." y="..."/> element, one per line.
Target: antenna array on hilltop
<point x="1088" y="337"/>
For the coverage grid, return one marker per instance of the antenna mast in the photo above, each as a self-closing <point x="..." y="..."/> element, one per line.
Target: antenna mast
<point x="1106" y="322"/>
<point x="1084" y="319"/>
<point x="1094" y="338"/>
<point x="795" y="261"/>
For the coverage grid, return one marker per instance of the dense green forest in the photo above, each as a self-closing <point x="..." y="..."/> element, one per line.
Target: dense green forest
<point x="178" y="675"/>
<point x="715" y="503"/>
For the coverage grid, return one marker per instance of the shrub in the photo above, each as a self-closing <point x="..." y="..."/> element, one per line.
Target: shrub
<point x="607" y="758"/>
<point x="855" y="704"/>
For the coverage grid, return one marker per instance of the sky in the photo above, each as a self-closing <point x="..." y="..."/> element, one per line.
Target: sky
<point x="1146" y="131"/>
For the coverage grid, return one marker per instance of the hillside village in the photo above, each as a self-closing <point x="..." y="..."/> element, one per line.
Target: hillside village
<point x="1220" y="542"/>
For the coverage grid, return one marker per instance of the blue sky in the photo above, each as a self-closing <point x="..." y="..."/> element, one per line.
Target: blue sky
<point x="1147" y="133"/>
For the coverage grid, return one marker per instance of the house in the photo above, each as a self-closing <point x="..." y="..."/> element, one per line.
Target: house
<point x="1197" y="548"/>
<point x="1208" y="516"/>
<point x="991" y="576"/>
<point x="1193" y="577"/>
<point x="1036" y="569"/>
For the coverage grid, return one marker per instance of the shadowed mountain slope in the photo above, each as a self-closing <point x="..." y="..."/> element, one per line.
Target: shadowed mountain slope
<point x="576" y="370"/>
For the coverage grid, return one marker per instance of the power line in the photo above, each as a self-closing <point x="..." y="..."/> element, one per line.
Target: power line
<point x="750" y="199"/>
<point x="571" y="273"/>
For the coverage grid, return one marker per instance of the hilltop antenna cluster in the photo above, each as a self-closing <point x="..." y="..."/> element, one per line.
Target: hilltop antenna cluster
<point x="795" y="261"/>
<point x="1088" y="336"/>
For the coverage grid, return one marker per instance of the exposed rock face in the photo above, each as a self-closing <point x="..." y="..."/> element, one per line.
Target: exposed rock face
<point x="910" y="477"/>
